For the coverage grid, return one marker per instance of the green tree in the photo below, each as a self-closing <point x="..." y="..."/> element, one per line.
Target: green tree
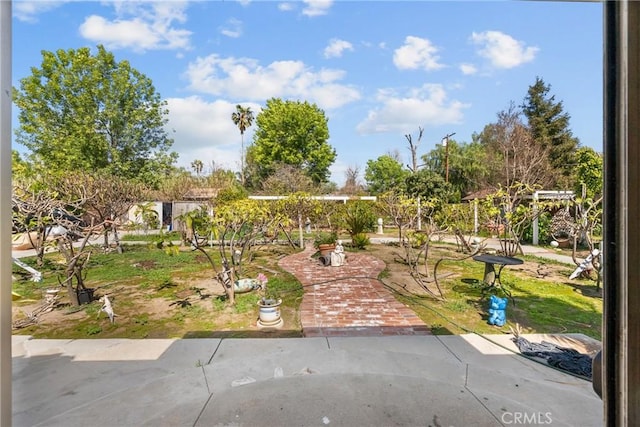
<point x="428" y="184"/>
<point x="87" y="112"/>
<point x="549" y="126"/>
<point x="228" y="194"/>
<point x="147" y="215"/>
<point x="385" y="174"/>
<point x="590" y="172"/>
<point x="243" y="118"/>
<point x="468" y="166"/>
<point x="293" y="133"/>
<point x="19" y="167"/>
<point x="221" y="178"/>
<point x="469" y="169"/>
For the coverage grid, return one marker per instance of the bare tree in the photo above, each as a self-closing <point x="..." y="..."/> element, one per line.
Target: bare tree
<point x="413" y="148"/>
<point x="174" y="187"/>
<point x="402" y="211"/>
<point x="32" y="214"/>
<point x="518" y="159"/>
<point x="513" y="213"/>
<point x="588" y="218"/>
<point x="73" y="244"/>
<point x="530" y="161"/>
<point x="107" y="198"/>
<point x="395" y="155"/>
<point x="287" y="179"/>
<point x="59" y="223"/>
<point x="352" y="185"/>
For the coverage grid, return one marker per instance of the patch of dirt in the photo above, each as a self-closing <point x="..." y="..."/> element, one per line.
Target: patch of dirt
<point x="146" y="264"/>
<point x="55" y="316"/>
<point x="186" y="307"/>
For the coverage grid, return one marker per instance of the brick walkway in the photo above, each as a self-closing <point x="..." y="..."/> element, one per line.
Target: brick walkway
<point x="348" y="300"/>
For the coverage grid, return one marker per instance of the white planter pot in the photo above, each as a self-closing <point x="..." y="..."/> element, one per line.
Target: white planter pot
<point x="269" y="314"/>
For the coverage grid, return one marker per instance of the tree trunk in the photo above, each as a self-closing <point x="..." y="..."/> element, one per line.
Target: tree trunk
<point x="300" y="231"/>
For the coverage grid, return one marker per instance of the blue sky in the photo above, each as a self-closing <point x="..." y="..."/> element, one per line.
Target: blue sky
<point x="379" y="69"/>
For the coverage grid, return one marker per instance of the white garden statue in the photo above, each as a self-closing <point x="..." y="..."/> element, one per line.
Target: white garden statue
<point x="107" y="308"/>
<point x="338" y="256"/>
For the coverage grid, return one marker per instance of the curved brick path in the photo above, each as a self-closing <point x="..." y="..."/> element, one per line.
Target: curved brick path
<point x="348" y="300"/>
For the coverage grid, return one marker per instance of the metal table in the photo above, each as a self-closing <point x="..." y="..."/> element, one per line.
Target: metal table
<point x="491" y="277"/>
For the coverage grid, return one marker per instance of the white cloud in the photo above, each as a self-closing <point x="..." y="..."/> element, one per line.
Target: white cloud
<point x="426" y="106"/>
<point x="27" y="11"/>
<point x="502" y="50"/>
<point x="316" y="7"/>
<point x="468" y="69"/>
<point x="233" y="28"/>
<point x="140" y="26"/>
<point x="336" y="47"/>
<point x="245" y="77"/>
<point x="204" y="130"/>
<point x="417" y="53"/>
<point x="286" y="7"/>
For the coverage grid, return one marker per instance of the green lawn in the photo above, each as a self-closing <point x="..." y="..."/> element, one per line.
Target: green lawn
<point x="553" y="304"/>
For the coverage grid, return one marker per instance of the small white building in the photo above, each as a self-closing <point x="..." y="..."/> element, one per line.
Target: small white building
<point x="167" y="212"/>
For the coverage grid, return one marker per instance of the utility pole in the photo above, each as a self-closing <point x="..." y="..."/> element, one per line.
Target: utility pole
<point x="445" y="144"/>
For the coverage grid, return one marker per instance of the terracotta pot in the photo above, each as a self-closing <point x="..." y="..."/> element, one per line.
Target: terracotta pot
<point x="326" y="248"/>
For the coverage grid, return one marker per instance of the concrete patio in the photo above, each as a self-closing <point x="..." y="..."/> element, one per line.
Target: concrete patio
<point x="465" y="380"/>
<point x="350" y="373"/>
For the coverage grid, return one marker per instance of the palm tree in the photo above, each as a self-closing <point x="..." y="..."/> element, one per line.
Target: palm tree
<point x="197" y="166"/>
<point x="243" y="118"/>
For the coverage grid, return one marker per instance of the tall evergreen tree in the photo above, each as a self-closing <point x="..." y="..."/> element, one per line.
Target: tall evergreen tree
<point x="549" y="126"/>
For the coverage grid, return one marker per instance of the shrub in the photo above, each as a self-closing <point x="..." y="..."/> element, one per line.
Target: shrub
<point x="324" y="237"/>
<point x="418" y="240"/>
<point x="360" y="240"/>
<point x="359" y="218"/>
<point x="544" y="229"/>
